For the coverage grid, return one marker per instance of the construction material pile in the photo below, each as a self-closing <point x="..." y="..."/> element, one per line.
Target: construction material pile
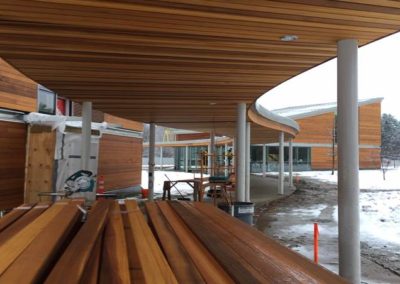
<point x="185" y="243"/>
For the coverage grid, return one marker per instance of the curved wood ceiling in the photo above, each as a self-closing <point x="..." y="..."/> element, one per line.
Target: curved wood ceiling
<point x="180" y="62"/>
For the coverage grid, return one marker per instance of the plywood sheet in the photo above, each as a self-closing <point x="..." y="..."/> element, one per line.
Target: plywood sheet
<point x="40" y="163"/>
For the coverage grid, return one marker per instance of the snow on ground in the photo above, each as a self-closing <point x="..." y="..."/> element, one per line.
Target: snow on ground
<point x="379" y="205"/>
<point x="369" y="179"/>
<point x="161" y="176"/>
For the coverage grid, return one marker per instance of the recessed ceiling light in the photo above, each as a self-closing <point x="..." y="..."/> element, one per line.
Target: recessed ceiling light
<point x="212" y="104"/>
<point x="289" y="38"/>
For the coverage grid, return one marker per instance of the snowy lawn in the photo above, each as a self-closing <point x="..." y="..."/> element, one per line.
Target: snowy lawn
<point x="161" y="176"/>
<point x="369" y="179"/>
<point x="379" y="210"/>
<point x="379" y="203"/>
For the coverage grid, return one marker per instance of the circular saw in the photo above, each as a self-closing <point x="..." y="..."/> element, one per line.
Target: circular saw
<point x="81" y="181"/>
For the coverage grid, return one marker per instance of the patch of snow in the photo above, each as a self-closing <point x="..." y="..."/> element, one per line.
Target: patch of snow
<point x="161" y="176"/>
<point x="379" y="217"/>
<point x="312" y="212"/>
<point x="369" y="179"/>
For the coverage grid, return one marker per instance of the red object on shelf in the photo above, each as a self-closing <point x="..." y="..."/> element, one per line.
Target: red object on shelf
<point x="145" y="192"/>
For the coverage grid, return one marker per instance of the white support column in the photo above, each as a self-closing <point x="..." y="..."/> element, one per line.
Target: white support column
<point x="161" y="158"/>
<point x="248" y="145"/>
<point x="226" y="159"/>
<point x="234" y="151"/>
<point x="211" y="152"/>
<point x="281" y="177"/>
<point x="152" y="144"/>
<point x="264" y="160"/>
<point x="240" y="151"/>
<point x="186" y="159"/>
<point x="290" y="163"/>
<point x="348" y="164"/>
<point x="86" y="134"/>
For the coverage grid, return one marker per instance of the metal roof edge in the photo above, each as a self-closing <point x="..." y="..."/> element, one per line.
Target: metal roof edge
<point x="271" y="116"/>
<point x="326" y="110"/>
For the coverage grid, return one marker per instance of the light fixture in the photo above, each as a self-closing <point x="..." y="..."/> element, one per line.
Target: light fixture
<point x="289" y="38"/>
<point x="213" y="104"/>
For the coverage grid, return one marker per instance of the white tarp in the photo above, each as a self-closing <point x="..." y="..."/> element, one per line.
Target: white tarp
<point x="54" y="121"/>
<point x="68" y="159"/>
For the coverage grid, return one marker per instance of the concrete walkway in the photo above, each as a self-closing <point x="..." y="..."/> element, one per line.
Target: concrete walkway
<point x="265" y="189"/>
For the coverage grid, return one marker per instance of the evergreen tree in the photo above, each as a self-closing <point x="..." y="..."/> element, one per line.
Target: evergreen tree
<point x="390" y="137"/>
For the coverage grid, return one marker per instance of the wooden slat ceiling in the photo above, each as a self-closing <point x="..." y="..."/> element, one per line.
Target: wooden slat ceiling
<point x="166" y="61"/>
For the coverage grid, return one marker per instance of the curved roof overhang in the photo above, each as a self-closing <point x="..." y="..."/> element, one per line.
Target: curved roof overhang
<point x="269" y="125"/>
<point x="181" y="63"/>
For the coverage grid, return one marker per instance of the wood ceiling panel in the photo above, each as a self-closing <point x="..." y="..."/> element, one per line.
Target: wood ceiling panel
<point x="166" y="61"/>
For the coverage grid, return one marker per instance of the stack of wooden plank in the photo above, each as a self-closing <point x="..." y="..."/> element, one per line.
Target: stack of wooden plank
<point x="185" y="243"/>
<point x="205" y="245"/>
<point x="50" y="244"/>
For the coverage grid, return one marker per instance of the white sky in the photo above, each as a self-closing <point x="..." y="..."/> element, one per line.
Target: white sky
<point x="378" y="71"/>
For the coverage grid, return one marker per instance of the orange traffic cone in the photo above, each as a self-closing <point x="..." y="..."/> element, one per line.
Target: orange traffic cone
<point x="100" y="187"/>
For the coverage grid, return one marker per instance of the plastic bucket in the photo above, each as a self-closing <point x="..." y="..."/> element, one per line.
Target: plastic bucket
<point x="243" y="211"/>
<point x="145" y="192"/>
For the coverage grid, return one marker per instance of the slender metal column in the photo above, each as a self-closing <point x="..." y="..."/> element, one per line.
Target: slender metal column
<point x="240" y="152"/>
<point x="348" y="163"/>
<point x="161" y="158"/>
<point x="226" y="159"/>
<point x="264" y="160"/>
<point x="211" y="152"/>
<point x="186" y="159"/>
<point x="152" y="144"/>
<point x="86" y="134"/>
<point x="234" y="151"/>
<point x="281" y="177"/>
<point x="248" y="160"/>
<point x="290" y="162"/>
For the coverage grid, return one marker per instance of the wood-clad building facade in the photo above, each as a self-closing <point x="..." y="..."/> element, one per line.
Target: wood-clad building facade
<point x="315" y="144"/>
<point x="27" y="152"/>
<point x="316" y="141"/>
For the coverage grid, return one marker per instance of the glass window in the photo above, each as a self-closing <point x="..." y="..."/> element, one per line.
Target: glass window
<point x="46" y="101"/>
<point x="256" y="153"/>
<point x="303" y="155"/>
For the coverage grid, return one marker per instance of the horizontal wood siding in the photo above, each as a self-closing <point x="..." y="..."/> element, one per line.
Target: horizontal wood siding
<point x="321" y="158"/>
<point x="370" y="124"/>
<point x="120" y="161"/>
<point x="125" y="123"/>
<point x="97" y="116"/>
<point x="192" y="136"/>
<point x="12" y="163"/>
<point x="316" y="129"/>
<point x="370" y="158"/>
<point x="17" y="92"/>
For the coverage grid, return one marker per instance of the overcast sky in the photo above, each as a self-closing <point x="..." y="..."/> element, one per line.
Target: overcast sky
<point x="379" y="76"/>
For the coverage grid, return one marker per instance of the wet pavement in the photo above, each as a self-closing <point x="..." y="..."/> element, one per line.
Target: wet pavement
<point x="290" y="221"/>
